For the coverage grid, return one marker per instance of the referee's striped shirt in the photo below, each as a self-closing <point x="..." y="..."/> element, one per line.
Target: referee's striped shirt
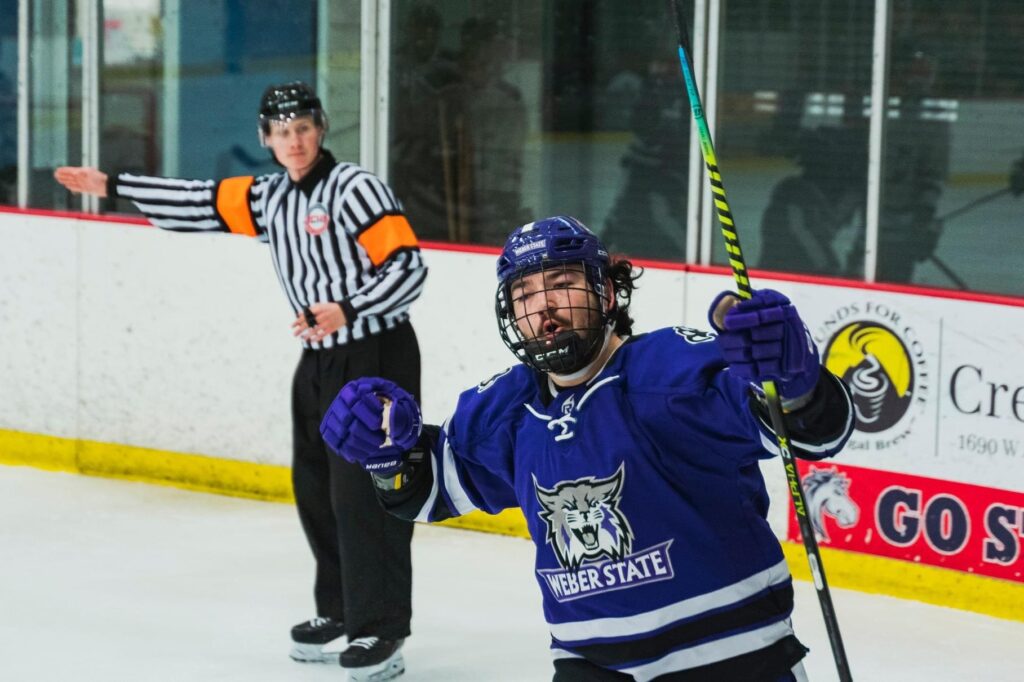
<point x="338" y="235"/>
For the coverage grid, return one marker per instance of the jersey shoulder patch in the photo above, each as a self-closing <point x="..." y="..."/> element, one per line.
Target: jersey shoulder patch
<point x="693" y="335"/>
<point x="488" y="383"/>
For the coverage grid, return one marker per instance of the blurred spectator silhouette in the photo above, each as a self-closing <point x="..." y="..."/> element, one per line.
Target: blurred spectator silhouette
<point x="648" y="217"/>
<point x="807" y="211"/>
<point x="1017" y="177"/>
<point x="458" y="131"/>
<point x="489" y="136"/>
<point x="915" y="166"/>
<point x="424" y="94"/>
<point x="8" y="141"/>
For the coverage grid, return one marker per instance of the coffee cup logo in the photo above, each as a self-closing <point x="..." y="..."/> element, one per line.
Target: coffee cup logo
<point x="877" y="367"/>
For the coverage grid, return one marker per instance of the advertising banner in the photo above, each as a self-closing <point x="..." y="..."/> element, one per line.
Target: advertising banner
<point x="924" y="520"/>
<point x="937" y="383"/>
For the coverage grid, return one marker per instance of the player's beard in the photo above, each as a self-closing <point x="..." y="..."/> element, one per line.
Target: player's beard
<point x="566" y="378"/>
<point x="552" y="327"/>
<point x="562" y="348"/>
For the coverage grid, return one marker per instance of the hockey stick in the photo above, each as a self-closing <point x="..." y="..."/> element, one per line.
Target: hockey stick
<point x="739" y="271"/>
<point x="948" y="272"/>
<point x="973" y="204"/>
<point x="955" y="213"/>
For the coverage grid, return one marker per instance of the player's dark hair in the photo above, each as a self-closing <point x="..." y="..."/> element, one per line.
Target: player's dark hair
<point x="623" y="275"/>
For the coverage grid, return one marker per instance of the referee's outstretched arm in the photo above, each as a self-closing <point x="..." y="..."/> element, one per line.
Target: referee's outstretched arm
<point x="229" y="205"/>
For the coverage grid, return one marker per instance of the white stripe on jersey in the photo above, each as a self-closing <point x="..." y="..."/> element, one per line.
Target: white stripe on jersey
<point x="208" y="225"/>
<point x="711" y="652"/>
<point x="424" y="515"/>
<point x="177" y="211"/>
<point x="370" y="197"/>
<point x="453" y="486"/>
<point x="278" y="247"/>
<point x="558" y="654"/>
<point x="642" y="623"/>
<point x="180" y="183"/>
<point x="165" y="194"/>
<point x="404" y="286"/>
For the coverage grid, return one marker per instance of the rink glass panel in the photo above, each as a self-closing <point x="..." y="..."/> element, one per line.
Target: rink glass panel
<point x="8" y="101"/>
<point x="180" y="82"/>
<point x="794" y="92"/>
<point x="54" y="95"/>
<point x="502" y="113"/>
<point x="792" y="132"/>
<point x="956" y="102"/>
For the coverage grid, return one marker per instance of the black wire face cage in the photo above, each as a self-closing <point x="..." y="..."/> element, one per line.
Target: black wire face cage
<point x="554" y="318"/>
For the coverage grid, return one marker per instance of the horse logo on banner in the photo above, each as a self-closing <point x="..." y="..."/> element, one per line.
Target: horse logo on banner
<point x="828" y="493"/>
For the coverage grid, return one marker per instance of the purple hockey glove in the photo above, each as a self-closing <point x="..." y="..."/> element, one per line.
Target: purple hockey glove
<point x="354" y="424"/>
<point x="763" y="338"/>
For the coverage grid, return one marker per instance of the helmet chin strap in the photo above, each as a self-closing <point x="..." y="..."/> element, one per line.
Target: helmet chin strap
<point x="582" y="372"/>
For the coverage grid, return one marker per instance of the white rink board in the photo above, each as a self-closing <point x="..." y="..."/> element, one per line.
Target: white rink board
<point x="122" y="333"/>
<point x="125" y="334"/>
<point x="39" y="326"/>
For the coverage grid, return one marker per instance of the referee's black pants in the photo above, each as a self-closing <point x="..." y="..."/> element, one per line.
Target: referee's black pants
<point x="363" y="567"/>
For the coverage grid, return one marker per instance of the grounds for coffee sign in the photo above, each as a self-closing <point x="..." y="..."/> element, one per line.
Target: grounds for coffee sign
<point x="933" y="473"/>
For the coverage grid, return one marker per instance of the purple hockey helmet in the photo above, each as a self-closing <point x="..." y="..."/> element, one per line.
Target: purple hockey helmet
<point x="550" y="245"/>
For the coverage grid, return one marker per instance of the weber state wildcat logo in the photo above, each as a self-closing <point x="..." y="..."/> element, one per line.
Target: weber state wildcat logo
<point x="592" y="539"/>
<point x="584" y="519"/>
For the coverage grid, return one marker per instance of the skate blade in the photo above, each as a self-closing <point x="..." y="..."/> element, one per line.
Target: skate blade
<point x="314" y="653"/>
<point x="387" y="670"/>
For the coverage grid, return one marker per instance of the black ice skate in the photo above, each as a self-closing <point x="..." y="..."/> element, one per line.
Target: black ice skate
<point x="372" y="659"/>
<point x="319" y="640"/>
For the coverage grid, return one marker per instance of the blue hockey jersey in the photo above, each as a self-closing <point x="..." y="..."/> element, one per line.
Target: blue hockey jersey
<point x="642" y="492"/>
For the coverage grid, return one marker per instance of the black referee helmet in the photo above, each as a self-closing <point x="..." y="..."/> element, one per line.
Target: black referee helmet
<point x="287" y="101"/>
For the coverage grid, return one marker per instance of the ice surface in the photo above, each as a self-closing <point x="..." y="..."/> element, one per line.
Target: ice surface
<point x="109" y="580"/>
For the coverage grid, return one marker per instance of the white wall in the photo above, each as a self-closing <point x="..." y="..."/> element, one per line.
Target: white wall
<point x="122" y="333"/>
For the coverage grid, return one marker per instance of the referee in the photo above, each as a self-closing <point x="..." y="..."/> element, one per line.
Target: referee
<point x="350" y="266"/>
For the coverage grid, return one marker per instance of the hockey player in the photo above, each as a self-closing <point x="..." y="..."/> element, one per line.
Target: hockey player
<point x="633" y="457"/>
<point x="350" y="266"/>
<point x="806" y="212"/>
